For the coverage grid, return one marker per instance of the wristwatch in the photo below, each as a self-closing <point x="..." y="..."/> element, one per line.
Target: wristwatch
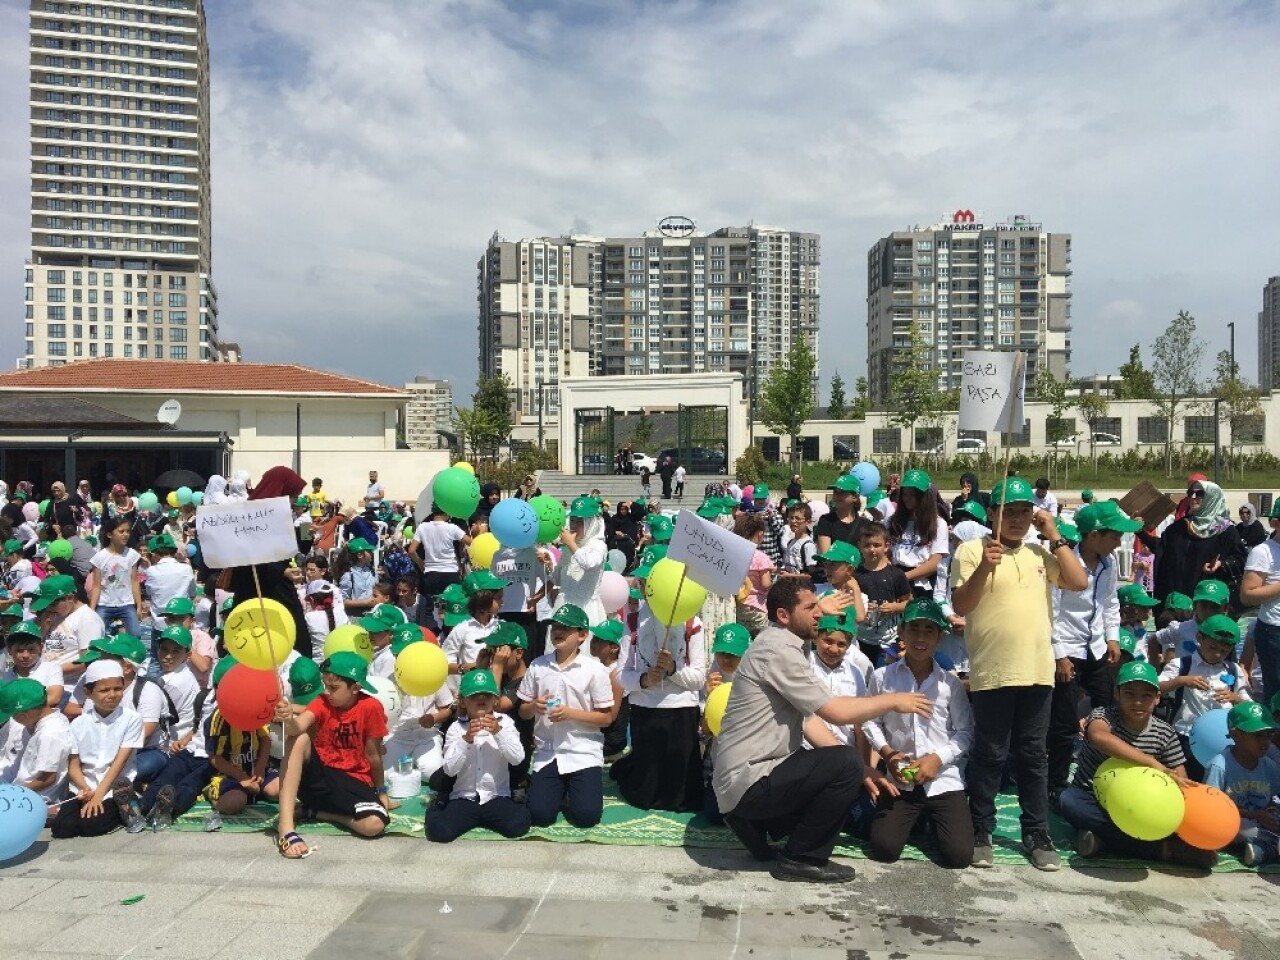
<point x="1056" y="545"/>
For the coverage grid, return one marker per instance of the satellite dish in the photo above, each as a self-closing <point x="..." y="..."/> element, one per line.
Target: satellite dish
<point x="169" y="412"/>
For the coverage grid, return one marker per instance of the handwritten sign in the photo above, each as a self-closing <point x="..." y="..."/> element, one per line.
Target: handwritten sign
<point x="991" y="390"/>
<point x="714" y="558"/>
<point x="239" y="534"/>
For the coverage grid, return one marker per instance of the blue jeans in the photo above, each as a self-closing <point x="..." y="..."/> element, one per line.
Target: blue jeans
<point x="501" y="815"/>
<point x="584" y="790"/>
<point x="1080" y="808"/>
<point x="150" y="761"/>
<point x="128" y="613"/>
<point x="1266" y="644"/>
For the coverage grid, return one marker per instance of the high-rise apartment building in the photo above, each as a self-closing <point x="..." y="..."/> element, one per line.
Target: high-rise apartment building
<point x="1269" y="336"/>
<point x="968" y="285"/>
<point x="428" y="413"/>
<point x="120" y="260"/>
<point x="668" y="301"/>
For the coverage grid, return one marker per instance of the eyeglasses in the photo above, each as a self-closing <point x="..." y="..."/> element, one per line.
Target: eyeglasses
<point x="1195" y="493"/>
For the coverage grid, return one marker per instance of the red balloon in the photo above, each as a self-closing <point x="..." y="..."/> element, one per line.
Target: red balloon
<point x="247" y="698"/>
<point x="1212" y="819"/>
<point x="429" y="636"/>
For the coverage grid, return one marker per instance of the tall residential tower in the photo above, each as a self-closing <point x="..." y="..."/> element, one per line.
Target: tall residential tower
<point x="120" y="260"/>
<point x="1269" y="336"/>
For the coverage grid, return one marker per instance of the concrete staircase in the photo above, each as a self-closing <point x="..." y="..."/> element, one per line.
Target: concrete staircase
<point x="566" y="486"/>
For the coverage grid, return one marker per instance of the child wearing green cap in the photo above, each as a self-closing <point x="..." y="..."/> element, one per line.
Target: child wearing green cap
<point x="1210" y="599"/>
<point x="478" y="754"/>
<point x="1127" y="730"/>
<point x="917" y="534"/>
<point x="606" y="646"/>
<point x="840" y="665"/>
<point x="24" y="657"/>
<point x="886" y="592"/>
<point x="1249" y="777"/>
<point x="181" y="612"/>
<point x="465" y="641"/>
<point x="239" y="759"/>
<point x="1208" y="679"/>
<point x="47" y="753"/>
<point x="417" y="733"/>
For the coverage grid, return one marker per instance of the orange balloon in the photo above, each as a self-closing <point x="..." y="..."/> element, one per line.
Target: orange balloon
<point x="1212" y="819"/>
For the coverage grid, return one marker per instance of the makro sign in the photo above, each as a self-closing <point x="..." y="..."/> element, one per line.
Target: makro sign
<point x="676" y="227"/>
<point x="966" y="221"/>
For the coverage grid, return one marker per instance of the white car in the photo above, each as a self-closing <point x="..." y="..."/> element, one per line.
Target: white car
<point x="1106" y="440"/>
<point x="641" y="460"/>
<point x="965" y="446"/>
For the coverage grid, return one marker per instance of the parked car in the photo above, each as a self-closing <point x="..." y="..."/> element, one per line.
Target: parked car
<point x="1106" y="440"/>
<point x="642" y="460"/>
<point x="965" y="447"/>
<point x="1082" y="439"/>
<point x="701" y="459"/>
<point x="843" y="451"/>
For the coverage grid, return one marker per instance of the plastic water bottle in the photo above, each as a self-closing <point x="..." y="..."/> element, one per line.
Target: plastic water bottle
<point x="405" y="764"/>
<point x="213" y="821"/>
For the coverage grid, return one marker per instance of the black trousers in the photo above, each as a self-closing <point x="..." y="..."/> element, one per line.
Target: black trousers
<point x="615" y="734"/>
<point x="582" y="793"/>
<point x="1010" y="720"/>
<point x="501" y="815"/>
<point x="897" y="816"/>
<point x="807" y="797"/>
<point x="430" y="585"/>
<point x="664" y="769"/>
<point x="1093" y="678"/>
<point x="68" y="822"/>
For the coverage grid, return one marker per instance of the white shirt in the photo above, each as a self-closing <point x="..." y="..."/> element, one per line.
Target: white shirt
<point x="1196" y="703"/>
<point x="437" y="539"/>
<point x="49" y="674"/>
<point x="464" y="643"/>
<point x="1086" y="620"/>
<point x="583" y="685"/>
<point x="1179" y="636"/>
<point x="849" y="679"/>
<point x="374" y="491"/>
<point x="1048" y="503"/>
<point x="13" y="740"/>
<point x="151" y="708"/>
<point x="578" y="577"/>
<point x="72" y="636"/>
<point x="681" y="689"/>
<point x="948" y="732"/>
<point x="407" y="727"/>
<point x="679" y="474"/>
<point x="1265" y="559"/>
<point x="481" y="766"/>
<point x="116" y="572"/>
<point x="384" y="663"/>
<point x="910" y="550"/>
<point x="96" y="740"/>
<point x="167" y="579"/>
<point x="183" y="687"/>
<point x="526" y="573"/>
<point x="48" y="751"/>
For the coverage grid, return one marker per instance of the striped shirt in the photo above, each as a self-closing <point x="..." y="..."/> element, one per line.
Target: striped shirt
<point x="1157" y="739"/>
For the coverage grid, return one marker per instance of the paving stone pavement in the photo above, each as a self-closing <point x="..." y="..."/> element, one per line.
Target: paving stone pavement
<point x="232" y="896"/>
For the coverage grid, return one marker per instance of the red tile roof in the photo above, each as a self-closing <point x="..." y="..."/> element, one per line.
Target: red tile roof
<point x="188" y="376"/>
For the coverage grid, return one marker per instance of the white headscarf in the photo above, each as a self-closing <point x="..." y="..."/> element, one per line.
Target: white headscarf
<point x="237" y="490"/>
<point x="215" y="490"/>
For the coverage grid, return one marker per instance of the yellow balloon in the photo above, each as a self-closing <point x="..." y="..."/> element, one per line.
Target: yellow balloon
<point x="421" y="669"/>
<point x="1144" y="803"/>
<point x="1106" y="775"/>
<point x="349" y="638"/>
<point x="482" y="550"/>
<point x="463" y="465"/>
<point x="672" y="596"/>
<point x="172" y="499"/>
<point x="260" y="633"/>
<point x="717" y="700"/>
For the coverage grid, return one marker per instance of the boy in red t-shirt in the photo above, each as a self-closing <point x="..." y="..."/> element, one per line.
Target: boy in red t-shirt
<point x="332" y="761"/>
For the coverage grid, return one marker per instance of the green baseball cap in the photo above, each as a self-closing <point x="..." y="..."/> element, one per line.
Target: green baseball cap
<point x="27" y="629"/>
<point x="651" y="555"/>
<point x="1247" y="717"/>
<point x="610" y="631"/>
<point x="1105" y="515"/>
<point x="226" y="663"/>
<point x="454" y="593"/>
<point x="1138" y="671"/>
<point x="1012" y="490"/>
<point x="360" y="545"/>
<point x="1221" y="629"/>
<point x="572" y="616"/>
<point x="1211" y="591"/>
<point x="844" y="623"/>
<point x="926" y="608"/>
<point x="13" y="610"/>
<point x="847" y="483"/>
<point x="660" y="527"/>
<point x="1086" y="495"/>
<point x="305" y="681"/>
<point x="1177" y="601"/>
<point x="478" y="681"/>
<point x="479" y="580"/>
<point x="228" y="605"/>
<point x="13" y="546"/>
<point x="179" y="607"/>
<point x="1133" y="594"/>
<point x="161" y="541"/>
<point x="302" y="502"/>
<point x="404" y="635"/>
<point x="841" y="552"/>
<point x="349" y="666"/>
<point x="635" y="593"/>
<point x="973" y="509"/>
<point x="1127" y="641"/>
<point x="584" y="508"/>
<point x="1275" y="509"/>
<point x="60" y="550"/>
<point x="51" y="590"/>
<point x="179" y="635"/>
<point x="916" y="480"/>
<point x="382" y="618"/>
<point x="760" y="492"/>
<point x="709" y="510"/>
<point x="875" y="498"/>
<point x="1068" y="531"/>
<point x="22" y="694"/>
<point x="732" y="638"/>
<point x="121" y="645"/>
<point x="508" y="634"/>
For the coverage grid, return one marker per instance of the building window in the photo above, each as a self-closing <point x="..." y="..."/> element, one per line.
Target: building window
<point x="177" y="353"/>
<point x="886" y="440"/>
<point x="57" y="349"/>
<point x="1022" y="439"/>
<point x="1153" y="430"/>
<point x="1248" y="428"/>
<point x="1199" y="429"/>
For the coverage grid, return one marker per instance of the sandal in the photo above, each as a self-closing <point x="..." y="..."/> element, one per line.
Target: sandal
<point x="288" y="842"/>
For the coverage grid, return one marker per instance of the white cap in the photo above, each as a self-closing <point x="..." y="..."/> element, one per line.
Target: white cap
<point x="103" y="670"/>
<point x="967" y="530"/>
<point x="319" y="586"/>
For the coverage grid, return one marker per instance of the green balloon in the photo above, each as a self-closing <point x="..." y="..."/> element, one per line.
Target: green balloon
<point x="550" y="513"/>
<point x="1144" y="803"/>
<point x="457" y="492"/>
<point x="44" y="505"/>
<point x="60" y="550"/>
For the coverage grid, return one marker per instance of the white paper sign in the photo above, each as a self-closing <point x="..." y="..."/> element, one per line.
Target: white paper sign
<point x="713" y="557"/>
<point x="991" y="390"/>
<point x="240" y="534"/>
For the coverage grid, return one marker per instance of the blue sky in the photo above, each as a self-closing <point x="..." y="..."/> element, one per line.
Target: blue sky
<point x="365" y="150"/>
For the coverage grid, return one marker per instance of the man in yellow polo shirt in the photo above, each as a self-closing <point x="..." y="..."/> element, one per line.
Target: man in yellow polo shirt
<point x="1002" y="589"/>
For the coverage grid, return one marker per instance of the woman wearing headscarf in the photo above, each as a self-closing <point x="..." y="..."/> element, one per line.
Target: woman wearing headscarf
<point x="238" y="488"/>
<point x="490" y="495"/>
<point x="215" y="491"/>
<point x="1204" y="544"/>
<point x="275" y="584"/>
<point x="582" y="556"/>
<point x="1251" y="531"/>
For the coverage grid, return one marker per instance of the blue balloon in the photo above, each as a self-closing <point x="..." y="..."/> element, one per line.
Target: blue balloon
<point x="1209" y="736"/>
<point x="22" y="815"/>
<point x="192" y="549"/>
<point x="867" y="475"/>
<point x="514" y="523"/>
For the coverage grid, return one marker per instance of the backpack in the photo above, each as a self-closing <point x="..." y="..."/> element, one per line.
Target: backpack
<point x="167" y="722"/>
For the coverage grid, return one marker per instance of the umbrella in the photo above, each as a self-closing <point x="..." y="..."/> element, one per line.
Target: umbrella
<point x="173" y="479"/>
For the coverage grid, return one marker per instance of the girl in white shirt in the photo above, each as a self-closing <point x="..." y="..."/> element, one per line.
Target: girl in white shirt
<point x="917" y="535"/>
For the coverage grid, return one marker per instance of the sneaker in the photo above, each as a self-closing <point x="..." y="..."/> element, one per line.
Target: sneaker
<point x="162" y="812"/>
<point x="1251" y="854"/>
<point x="982" y="854"/>
<point x="1176" y="850"/>
<point x="130" y="809"/>
<point x="1041" y="852"/>
<point x="1088" y="843"/>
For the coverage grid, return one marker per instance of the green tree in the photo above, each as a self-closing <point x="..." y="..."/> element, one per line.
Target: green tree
<point x="642" y="432"/>
<point x="493" y="399"/>
<point x="751" y="465"/>
<point x="1175" y="370"/>
<point x="1094" y="408"/>
<point x="861" y="400"/>
<point x="1049" y="389"/>
<point x="1237" y="401"/>
<point x="475" y="428"/>
<point x="835" y="406"/>
<point x="786" y="401"/>
<point x="913" y="387"/>
<point x="1136" y="381"/>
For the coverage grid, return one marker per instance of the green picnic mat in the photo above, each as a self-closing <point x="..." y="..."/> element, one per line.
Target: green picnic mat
<point x="626" y="826"/>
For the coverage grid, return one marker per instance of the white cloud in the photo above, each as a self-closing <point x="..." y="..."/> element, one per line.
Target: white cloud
<point x="364" y="151"/>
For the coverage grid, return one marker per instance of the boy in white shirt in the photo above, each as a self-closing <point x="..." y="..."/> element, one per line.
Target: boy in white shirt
<point x="465" y="641"/>
<point x="24" y="657"/>
<point x="380" y="622"/>
<point x="478" y="752"/>
<point x="838" y="663"/>
<point x="416" y="733"/>
<point x="1178" y="639"/>
<point x="925" y="756"/>
<point x="571" y="696"/>
<point x="181" y="612"/>
<point x="43" y="767"/>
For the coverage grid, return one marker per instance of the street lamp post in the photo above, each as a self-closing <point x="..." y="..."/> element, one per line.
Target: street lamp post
<point x="540" y="443"/>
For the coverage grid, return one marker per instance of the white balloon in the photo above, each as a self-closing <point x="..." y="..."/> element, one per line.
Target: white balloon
<point x="819" y="508"/>
<point x="389" y="696"/>
<point x="617" y="561"/>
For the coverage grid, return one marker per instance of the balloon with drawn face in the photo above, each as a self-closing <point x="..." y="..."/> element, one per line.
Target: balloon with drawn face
<point x="550" y="513"/>
<point x="259" y="633"/>
<point x="247" y="698"/>
<point x="22" y="816"/>
<point x="514" y="523"/>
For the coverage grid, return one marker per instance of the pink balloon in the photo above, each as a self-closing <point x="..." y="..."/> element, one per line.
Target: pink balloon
<point x="31" y="511"/>
<point x="555" y="553"/>
<point x="748" y="490"/>
<point x="614" y="591"/>
<point x="819" y="508"/>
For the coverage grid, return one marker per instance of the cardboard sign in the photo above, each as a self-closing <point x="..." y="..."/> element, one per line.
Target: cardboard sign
<point x="713" y="557"/>
<point x="240" y="534"/>
<point x="1147" y="504"/>
<point x="991" y="390"/>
